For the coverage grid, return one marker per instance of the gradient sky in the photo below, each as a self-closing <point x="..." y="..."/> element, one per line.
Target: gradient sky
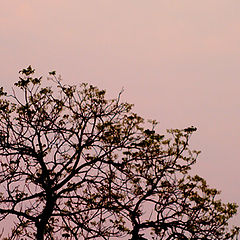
<point x="178" y="61"/>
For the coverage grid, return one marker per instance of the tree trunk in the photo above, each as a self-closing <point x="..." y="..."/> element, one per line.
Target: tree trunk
<point x="44" y="217"/>
<point x="40" y="230"/>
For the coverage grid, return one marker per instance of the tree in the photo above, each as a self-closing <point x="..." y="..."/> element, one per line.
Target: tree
<point x="77" y="166"/>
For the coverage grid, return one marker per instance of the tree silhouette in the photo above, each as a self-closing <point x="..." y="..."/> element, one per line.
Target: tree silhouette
<point x="75" y="165"/>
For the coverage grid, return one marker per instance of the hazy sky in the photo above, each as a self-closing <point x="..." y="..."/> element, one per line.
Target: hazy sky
<point x="178" y="61"/>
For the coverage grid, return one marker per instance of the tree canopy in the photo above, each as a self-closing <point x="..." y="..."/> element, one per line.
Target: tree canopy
<point x="75" y="165"/>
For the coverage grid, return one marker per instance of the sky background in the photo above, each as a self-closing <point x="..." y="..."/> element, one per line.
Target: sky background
<point x="178" y="61"/>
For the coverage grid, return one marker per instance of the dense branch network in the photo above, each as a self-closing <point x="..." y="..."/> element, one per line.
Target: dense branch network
<point x="77" y="166"/>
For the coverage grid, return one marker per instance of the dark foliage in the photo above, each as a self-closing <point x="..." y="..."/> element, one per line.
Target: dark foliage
<point x="77" y="166"/>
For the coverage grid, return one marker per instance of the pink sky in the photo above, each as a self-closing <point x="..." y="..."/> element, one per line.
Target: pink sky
<point x="178" y="61"/>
